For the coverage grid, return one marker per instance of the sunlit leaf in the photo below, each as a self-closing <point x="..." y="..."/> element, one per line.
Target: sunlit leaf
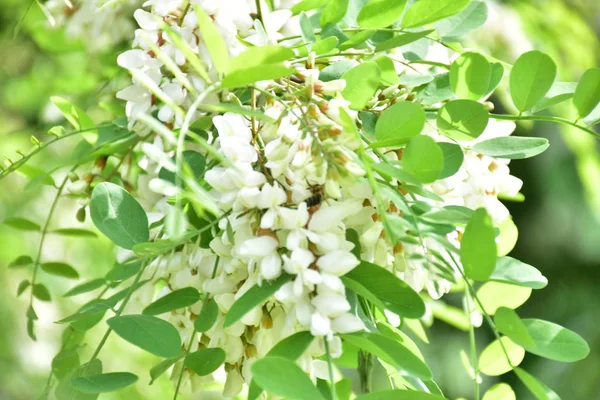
<point x="424" y="12"/>
<point x="494" y="295"/>
<point x="213" y="40"/>
<point x="478" y="252"/>
<point x="500" y="391"/>
<point x="361" y="83"/>
<point x="334" y="11"/>
<point x="554" y="342"/>
<point x="85" y="287"/>
<point x="401" y="40"/>
<point x="423" y="158"/>
<point x="531" y="78"/>
<point x="513" y="147"/>
<point x="468" y="20"/>
<point x="284" y="378"/>
<point x="399" y="395"/>
<point x="463" y="119"/>
<point x="508" y="322"/>
<point x="398" y="124"/>
<point x="380" y="13"/>
<point x="470" y="76"/>
<point x="492" y="360"/>
<point x="76" y="232"/>
<point x="453" y="159"/>
<point x="510" y="270"/>
<point x="175" y="300"/>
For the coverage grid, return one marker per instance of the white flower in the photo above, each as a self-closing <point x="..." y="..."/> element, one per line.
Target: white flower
<point x="258" y="247"/>
<point x="347" y="323"/>
<point x="331" y="304"/>
<point x="320" y="325"/>
<point x="338" y="262"/>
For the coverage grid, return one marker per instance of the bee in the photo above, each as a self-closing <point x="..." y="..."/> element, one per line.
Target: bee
<point x="315" y="200"/>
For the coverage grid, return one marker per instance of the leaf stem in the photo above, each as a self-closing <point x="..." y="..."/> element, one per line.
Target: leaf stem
<point x="330" y="367"/>
<point x="472" y="343"/>
<point x="187" y="350"/>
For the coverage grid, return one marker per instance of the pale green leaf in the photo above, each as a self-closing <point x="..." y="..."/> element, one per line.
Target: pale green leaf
<point x="587" y="95"/>
<point x="398" y="124"/>
<point x="334" y="11"/>
<point x="213" y="40"/>
<point x="508" y="322"/>
<point x="492" y="360"/>
<point x="554" y="342"/>
<point x="500" y="391"/>
<point x="512" y="147"/>
<point x="468" y="20"/>
<point x="362" y="82"/>
<point x="85" y="287"/>
<point x="510" y="270"/>
<point x="401" y="40"/>
<point x="478" y="252"/>
<point x="470" y="76"/>
<point x="424" y="12"/>
<point x="380" y="13"/>
<point x="60" y="269"/>
<point x="493" y="295"/>
<point x="462" y="119"/>
<point x="531" y="78"/>
<point x="22" y="224"/>
<point x="453" y="159"/>
<point x="399" y="395"/>
<point x="423" y="158"/>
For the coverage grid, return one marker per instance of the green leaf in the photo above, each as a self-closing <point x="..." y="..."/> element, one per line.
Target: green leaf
<point x="559" y="92"/>
<point x="554" y="342"/>
<point x="40" y="292"/>
<point x="22" y="287"/>
<point x="85" y="287"/>
<point x="389" y="76"/>
<point x="399" y="395"/>
<point x="208" y="316"/>
<point x="379" y="285"/>
<point x="462" y="119"/>
<point x="254" y="74"/>
<point x="22" y="224"/>
<point x="380" y="13"/>
<point x="119" y="216"/>
<point x="76" y="117"/>
<point x="206" y="361"/>
<point x="121" y="272"/>
<point x="423" y="158"/>
<point x="401" y="40"/>
<point x="453" y="159"/>
<point x="65" y="362"/>
<point x="390" y="351"/>
<point x="493" y="295"/>
<point x="500" y="391"/>
<point x="284" y="378"/>
<point x="60" y="269"/>
<point x="468" y="20"/>
<point x="398" y="124"/>
<point x="536" y="387"/>
<point x="21" y="261"/>
<point x="291" y="348"/>
<point x="470" y="76"/>
<point x="513" y="147"/>
<point x="194" y="160"/>
<point x="587" y="95"/>
<point x="357" y="40"/>
<point x="306" y="29"/>
<point x="492" y="360"/>
<point x="424" y="12"/>
<point x="336" y="70"/>
<point x="65" y="389"/>
<point x="103" y="383"/>
<point x="510" y="270"/>
<point x="508" y="322"/>
<point x="213" y="40"/>
<point x="162" y="367"/>
<point x="149" y="333"/>
<point x="495" y="78"/>
<point x="75" y="232"/>
<point x="173" y="301"/>
<point x="391" y="171"/>
<point x="478" y="252"/>
<point x="531" y="78"/>
<point x="36" y="175"/>
<point x="253" y="298"/>
<point x="334" y="11"/>
<point x="175" y="223"/>
<point x="362" y="82"/>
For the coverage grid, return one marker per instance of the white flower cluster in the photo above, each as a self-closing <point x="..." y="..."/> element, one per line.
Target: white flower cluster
<point x="99" y="23"/>
<point x="291" y="190"/>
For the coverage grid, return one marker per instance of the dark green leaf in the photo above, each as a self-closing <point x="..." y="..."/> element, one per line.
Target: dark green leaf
<point x="194" y="160"/>
<point x="173" y="301"/>
<point x="60" y="269"/>
<point x="453" y="159"/>
<point x="380" y="13"/>
<point x="424" y="12"/>
<point x="536" y="387"/>
<point x="463" y="119"/>
<point x="85" y="287"/>
<point x="423" y="158"/>
<point x="478" y="252"/>
<point x="284" y="378"/>
<point x="41" y="292"/>
<point x="149" y="333"/>
<point x="513" y="147"/>
<point x="401" y="40"/>
<point x="468" y="20"/>
<point x="390" y="351"/>
<point x="208" y="316"/>
<point x="253" y="298"/>
<point x="470" y="76"/>
<point x="510" y="270"/>
<point x="398" y="124"/>
<point x="206" y="361"/>
<point x="362" y="82"/>
<point x="21" y="261"/>
<point x="65" y="389"/>
<point x="22" y="224"/>
<point x="587" y="95"/>
<point x="118" y="215"/>
<point x="376" y="283"/>
<point x="103" y="383"/>
<point x="531" y="78"/>
<point x="75" y="232"/>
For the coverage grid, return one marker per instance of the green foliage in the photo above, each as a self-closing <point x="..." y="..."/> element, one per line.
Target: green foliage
<point x="478" y="252"/>
<point x="284" y="378"/>
<point x="462" y="119"/>
<point x="361" y="83"/>
<point x="587" y="94"/>
<point x="453" y="159"/>
<point x="500" y="391"/>
<point x="398" y="124"/>
<point x="470" y="76"/>
<point x="531" y="78"/>
<point x="118" y="215"/>
<point x="401" y="40"/>
<point x="334" y="11"/>
<point x="148" y="333"/>
<point x="536" y="387"/>
<point x="208" y="316"/>
<point x="380" y="13"/>
<point x="513" y="147"/>
<point x="204" y="362"/>
<point x="60" y="269"/>
<point x="423" y="158"/>
<point x="103" y="383"/>
<point x="424" y="12"/>
<point x="398" y="395"/>
<point x="173" y="301"/>
<point x="213" y="40"/>
<point x="510" y="270"/>
<point x="472" y="17"/>
<point x="493" y="360"/>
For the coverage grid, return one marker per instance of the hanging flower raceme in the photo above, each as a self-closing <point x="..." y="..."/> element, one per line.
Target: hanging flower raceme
<point x="305" y="190"/>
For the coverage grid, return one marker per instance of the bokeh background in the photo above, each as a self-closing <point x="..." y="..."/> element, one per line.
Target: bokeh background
<point x="559" y="222"/>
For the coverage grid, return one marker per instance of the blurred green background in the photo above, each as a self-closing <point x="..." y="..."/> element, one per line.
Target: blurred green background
<point x="559" y="222"/>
